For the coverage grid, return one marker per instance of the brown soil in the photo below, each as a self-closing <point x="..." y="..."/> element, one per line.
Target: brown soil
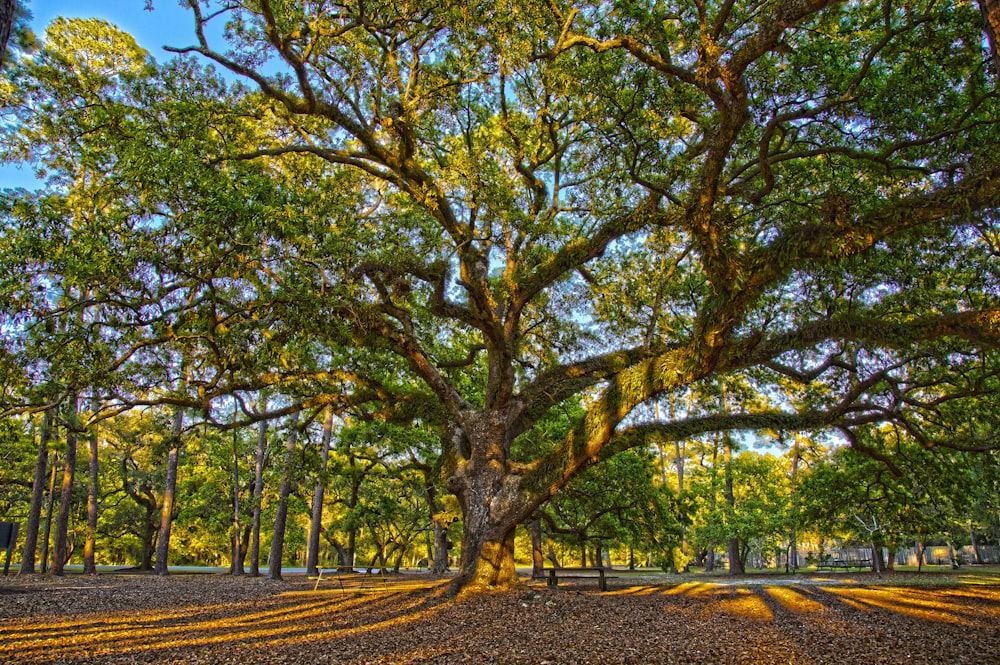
<point x="217" y="619"/>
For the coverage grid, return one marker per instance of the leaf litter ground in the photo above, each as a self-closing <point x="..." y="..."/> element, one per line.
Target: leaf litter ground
<point x="220" y="619"/>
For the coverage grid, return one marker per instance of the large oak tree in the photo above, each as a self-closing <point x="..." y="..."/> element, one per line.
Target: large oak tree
<point x="619" y="200"/>
<point x="481" y="217"/>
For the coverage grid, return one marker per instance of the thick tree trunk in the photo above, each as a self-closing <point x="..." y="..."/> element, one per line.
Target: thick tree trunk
<point x="169" y="492"/>
<point x="312" y="556"/>
<point x="62" y="549"/>
<point x="493" y="504"/>
<point x="877" y="563"/>
<point x="736" y="565"/>
<point x="37" y="496"/>
<point x="258" y="490"/>
<point x="487" y="560"/>
<point x="89" y="561"/>
<point x="281" y="515"/>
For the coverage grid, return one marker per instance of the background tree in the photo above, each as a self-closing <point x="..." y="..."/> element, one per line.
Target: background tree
<point x="612" y="505"/>
<point x="319" y="492"/>
<point x="288" y="475"/>
<point x="991" y="23"/>
<point x="7" y="8"/>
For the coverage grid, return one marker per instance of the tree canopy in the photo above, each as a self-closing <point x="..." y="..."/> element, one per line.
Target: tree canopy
<point x="478" y="219"/>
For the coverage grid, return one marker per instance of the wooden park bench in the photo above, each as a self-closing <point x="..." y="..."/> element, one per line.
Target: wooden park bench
<point x="353" y="580"/>
<point x="555" y="574"/>
<point x="846" y="564"/>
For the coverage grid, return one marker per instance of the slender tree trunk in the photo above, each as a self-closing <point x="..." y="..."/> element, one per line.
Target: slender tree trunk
<point x="350" y="550"/>
<point x="37" y="496"/>
<point x="149" y="531"/>
<point x="679" y="459"/>
<point x="7" y="8"/>
<point x="975" y="544"/>
<point x="551" y="556"/>
<point x="439" y="564"/>
<point x="793" y="554"/>
<point x="398" y="562"/>
<point x="713" y="504"/>
<point x="236" y="567"/>
<point x="679" y="466"/>
<point x="258" y="491"/>
<point x="48" y="514"/>
<point x="537" y="556"/>
<point x="89" y="561"/>
<point x="281" y="515"/>
<point x="736" y="566"/>
<point x="316" y="525"/>
<point x="341" y="553"/>
<point x="169" y="491"/>
<point x="62" y="549"/>
<point x="952" y="558"/>
<point x="352" y="502"/>
<point x="245" y="545"/>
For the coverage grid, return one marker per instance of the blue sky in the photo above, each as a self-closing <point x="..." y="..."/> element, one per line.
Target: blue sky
<point x="167" y="24"/>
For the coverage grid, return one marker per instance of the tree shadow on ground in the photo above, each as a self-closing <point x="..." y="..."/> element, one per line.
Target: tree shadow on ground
<point x="694" y="623"/>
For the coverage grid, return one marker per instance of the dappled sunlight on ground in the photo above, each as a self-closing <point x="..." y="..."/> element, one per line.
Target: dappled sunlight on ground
<point x="795" y="600"/>
<point x="695" y="623"/>
<point x="692" y="589"/>
<point x="645" y="590"/>
<point x="295" y="617"/>
<point x="745" y="604"/>
<point x="949" y="606"/>
<point x="979" y="579"/>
